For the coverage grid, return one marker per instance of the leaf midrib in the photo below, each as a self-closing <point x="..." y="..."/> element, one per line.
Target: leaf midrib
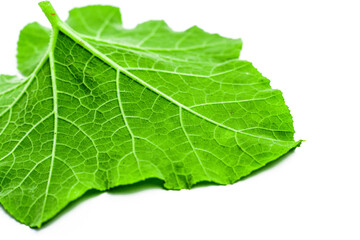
<point x="70" y="33"/>
<point x="79" y="40"/>
<point x="56" y="115"/>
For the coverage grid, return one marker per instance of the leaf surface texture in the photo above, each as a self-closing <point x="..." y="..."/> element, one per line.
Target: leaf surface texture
<point x="103" y="106"/>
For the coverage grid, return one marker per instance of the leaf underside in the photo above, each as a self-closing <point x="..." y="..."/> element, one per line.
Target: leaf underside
<point x="105" y="106"/>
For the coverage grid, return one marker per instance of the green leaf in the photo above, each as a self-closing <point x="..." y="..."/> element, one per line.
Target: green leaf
<point x="96" y="20"/>
<point x="32" y="47"/>
<point x="108" y="106"/>
<point x="104" y="23"/>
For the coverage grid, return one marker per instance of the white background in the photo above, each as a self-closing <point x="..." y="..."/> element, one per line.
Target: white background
<point x="311" y="51"/>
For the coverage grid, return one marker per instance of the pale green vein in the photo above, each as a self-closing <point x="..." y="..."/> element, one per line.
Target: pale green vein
<point x="26" y="177"/>
<point x="227" y="102"/>
<point x="80" y="41"/>
<point x="150" y="35"/>
<point x="27" y="134"/>
<point x="188" y="74"/>
<point x="7" y="122"/>
<point x="191" y="144"/>
<point x="125" y="121"/>
<point x="107" y="60"/>
<point x="244" y="151"/>
<point x="56" y="115"/>
<point x="166" y="155"/>
<point x="28" y="82"/>
<point x="12" y="89"/>
<point x="86" y="135"/>
<point x="104" y="24"/>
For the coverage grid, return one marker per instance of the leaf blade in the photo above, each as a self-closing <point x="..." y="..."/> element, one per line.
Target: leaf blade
<point x="98" y="114"/>
<point x="32" y="47"/>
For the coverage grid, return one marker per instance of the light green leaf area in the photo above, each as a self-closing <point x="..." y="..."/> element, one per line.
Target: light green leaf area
<point x="33" y="45"/>
<point x="108" y="106"/>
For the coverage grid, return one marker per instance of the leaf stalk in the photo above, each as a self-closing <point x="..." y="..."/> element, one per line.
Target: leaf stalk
<point x="50" y="13"/>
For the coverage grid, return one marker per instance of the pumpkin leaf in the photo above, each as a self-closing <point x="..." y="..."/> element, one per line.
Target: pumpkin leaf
<point x="103" y="106"/>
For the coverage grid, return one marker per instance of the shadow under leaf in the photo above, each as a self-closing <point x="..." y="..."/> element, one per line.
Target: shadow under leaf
<point x="269" y="166"/>
<point x="152" y="183"/>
